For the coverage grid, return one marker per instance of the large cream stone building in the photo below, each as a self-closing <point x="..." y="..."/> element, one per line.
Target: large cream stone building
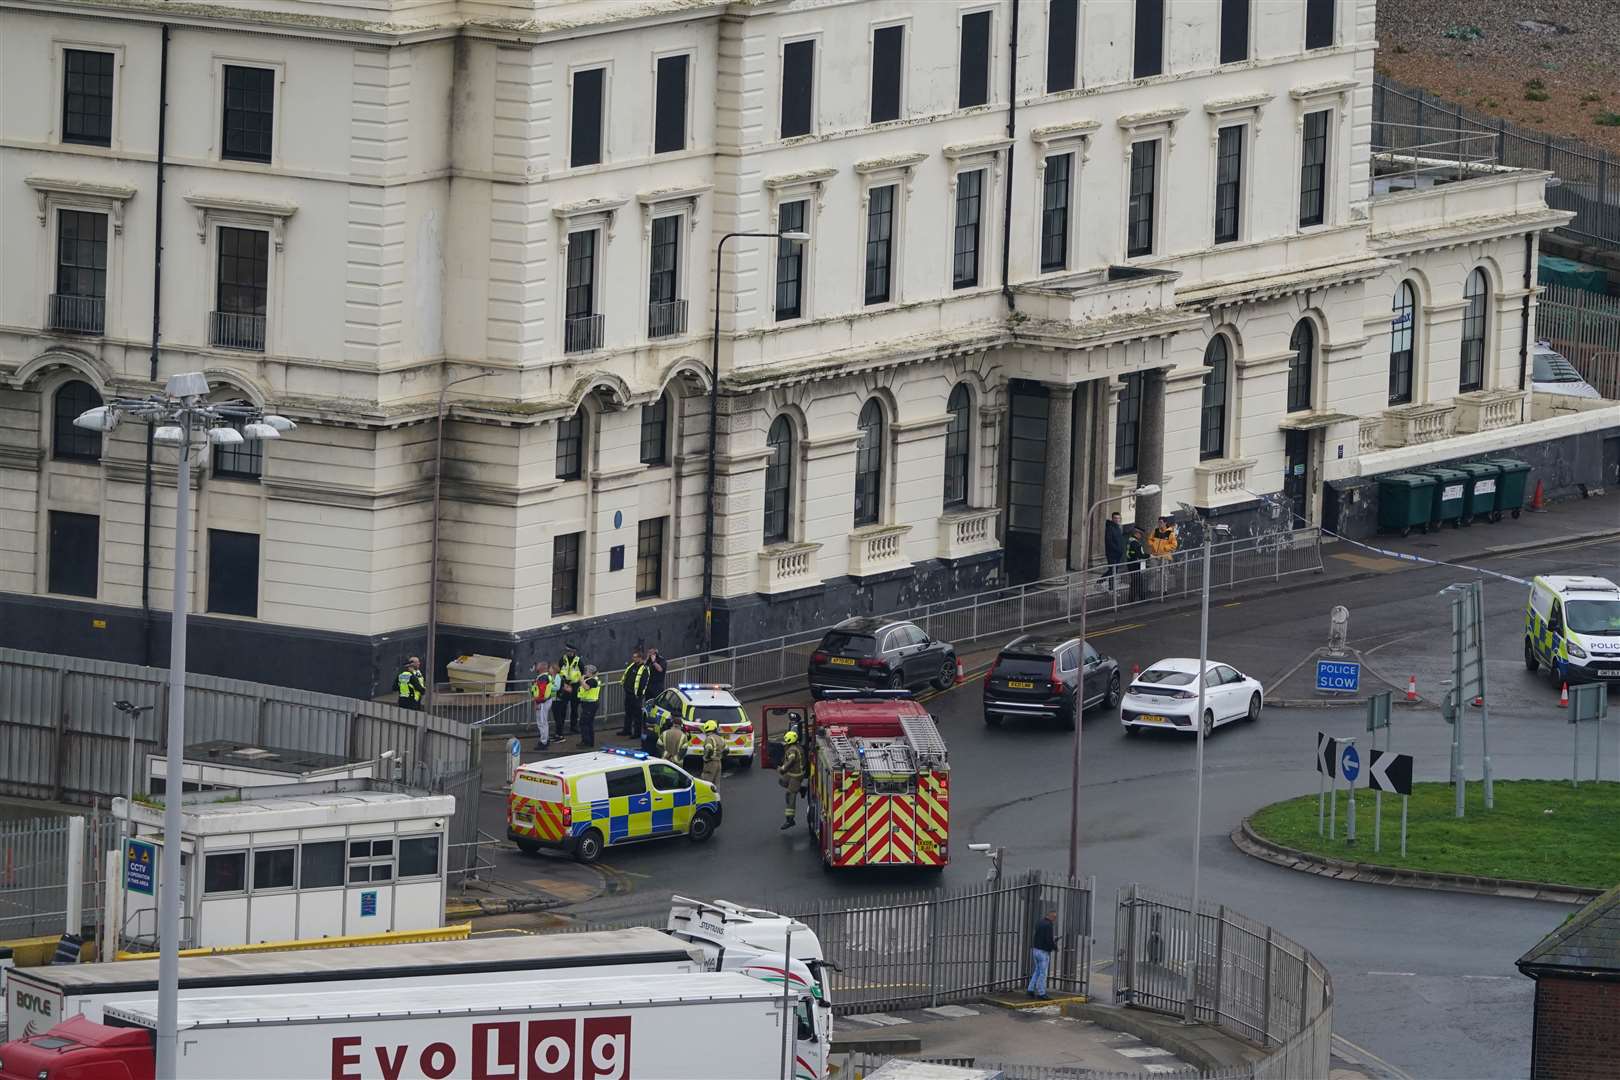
<point x="1151" y="241"/>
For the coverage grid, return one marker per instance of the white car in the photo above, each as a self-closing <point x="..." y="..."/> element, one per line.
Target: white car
<point x="1552" y="373"/>
<point x="1165" y="696"/>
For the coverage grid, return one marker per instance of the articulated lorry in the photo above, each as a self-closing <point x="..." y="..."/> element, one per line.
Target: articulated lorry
<point x="705" y="1026"/>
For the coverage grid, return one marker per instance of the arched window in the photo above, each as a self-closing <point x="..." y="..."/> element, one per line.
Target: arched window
<point x="1301" y="366"/>
<point x="957" y="440"/>
<point x="779" y="481"/>
<point x="1212" y="419"/>
<point x="869" y="464"/>
<point x="1472" y="373"/>
<point x="67" y="441"/>
<point x="1401" y="335"/>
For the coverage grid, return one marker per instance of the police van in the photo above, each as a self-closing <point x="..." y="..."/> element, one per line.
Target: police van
<point x="692" y="704"/>
<point x="583" y="803"/>
<point x="1572" y="625"/>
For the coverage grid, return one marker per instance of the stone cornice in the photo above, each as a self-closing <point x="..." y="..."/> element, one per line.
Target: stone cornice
<point x="113" y="195"/>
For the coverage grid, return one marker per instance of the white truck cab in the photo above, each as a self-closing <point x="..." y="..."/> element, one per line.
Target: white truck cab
<point x="754" y="942"/>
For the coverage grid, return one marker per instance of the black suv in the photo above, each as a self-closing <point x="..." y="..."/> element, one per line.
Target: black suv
<point x="1036" y="676"/>
<point x="867" y="653"/>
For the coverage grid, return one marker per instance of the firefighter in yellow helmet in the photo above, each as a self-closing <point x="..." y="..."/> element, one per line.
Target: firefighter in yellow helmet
<point x="714" y="752"/>
<point x="791" y="774"/>
<point x="672" y="743"/>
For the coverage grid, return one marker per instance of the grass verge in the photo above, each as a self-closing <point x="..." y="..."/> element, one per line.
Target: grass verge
<point x="1540" y="830"/>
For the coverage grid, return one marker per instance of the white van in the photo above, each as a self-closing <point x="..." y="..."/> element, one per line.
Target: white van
<point x="1572" y="625"/>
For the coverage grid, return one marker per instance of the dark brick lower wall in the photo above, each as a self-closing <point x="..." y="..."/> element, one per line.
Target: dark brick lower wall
<point x="358" y="666"/>
<point x="1577" y="1029"/>
<point x="1566" y="467"/>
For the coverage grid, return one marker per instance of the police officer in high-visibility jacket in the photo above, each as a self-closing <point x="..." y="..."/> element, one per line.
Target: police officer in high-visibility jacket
<point x="411" y="685"/>
<point x="714" y="752"/>
<point x="590" y="693"/>
<point x="634" y="683"/>
<point x="672" y="744"/>
<point x="791" y="772"/>
<point x="568" y="701"/>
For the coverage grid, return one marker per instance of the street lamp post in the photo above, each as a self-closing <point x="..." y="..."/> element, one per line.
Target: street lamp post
<point x="181" y="409"/>
<point x="1198" y="797"/>
<point x="714" y="423"/>
<point x="1085" y="556"/>
<point x="433" y="547"/>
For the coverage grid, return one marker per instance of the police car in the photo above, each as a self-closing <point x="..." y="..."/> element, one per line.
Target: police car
<point x="692" y="704"/>
<point x="1572" y="625"/>
<point x="583" y="803"/>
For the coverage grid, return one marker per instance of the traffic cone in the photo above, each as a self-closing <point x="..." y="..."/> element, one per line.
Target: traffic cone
<point x="961" y="677"/>
<point x="1563" y="697"/>
<point x="1136" y="669"/>
<point x="1478" y="702"/>
<point x="1538" y="499"/>
<point x="1411" y="688"/>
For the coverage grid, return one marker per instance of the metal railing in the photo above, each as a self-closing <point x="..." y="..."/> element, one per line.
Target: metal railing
<point x="33" y="873"/>
<point x="966" y="620"/>
<point x="1585" y="328"/>
<point x="1589" y="177"/>
<point x="666" y="318"/>
<point x="582" y="333"/>
<point x="78" y="314"/>
<point x="1247" y="978"/>
<point x="228" y="330"/>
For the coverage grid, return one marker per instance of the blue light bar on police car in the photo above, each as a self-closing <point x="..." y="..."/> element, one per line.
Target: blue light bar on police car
<point x="703" y="686"/>
<point x="640" y="755"/>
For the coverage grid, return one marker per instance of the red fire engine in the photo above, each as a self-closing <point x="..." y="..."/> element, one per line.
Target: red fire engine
<point x="879" y="782"/>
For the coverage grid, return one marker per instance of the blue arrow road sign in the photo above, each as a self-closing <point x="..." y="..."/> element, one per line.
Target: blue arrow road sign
<point x="1343" y="676"/>
<point x="1350" y="764"/>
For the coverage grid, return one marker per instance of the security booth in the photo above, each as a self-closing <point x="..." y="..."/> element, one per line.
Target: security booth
<point x="288" y="862"/>
<point x="226" y="765"/>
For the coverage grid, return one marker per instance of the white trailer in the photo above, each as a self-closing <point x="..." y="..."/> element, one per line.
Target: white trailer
<point x="708" y="1026"/>
<point x="39" y="998"/>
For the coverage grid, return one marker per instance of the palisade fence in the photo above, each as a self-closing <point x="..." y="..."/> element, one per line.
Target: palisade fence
<point x="964" y="620"/>
<point x="62" y="740"/>
<point x="1407" y="119"/>
<point x="1584" y="327"/>
<point x="33" y="873"/>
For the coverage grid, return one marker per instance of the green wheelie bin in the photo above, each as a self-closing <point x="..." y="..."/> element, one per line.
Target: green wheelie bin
<point x="1511" y="487"/>
<point x="1481" y="504"/>
<point x="1450" y="489"/>
<point x="1405" y="501"/>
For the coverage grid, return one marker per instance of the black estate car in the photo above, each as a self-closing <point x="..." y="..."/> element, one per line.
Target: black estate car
<point x="869" y="653"/>
<point x="1040" y="677"/>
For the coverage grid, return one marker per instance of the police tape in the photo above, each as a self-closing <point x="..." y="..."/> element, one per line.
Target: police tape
<point x="1407" y="557"/>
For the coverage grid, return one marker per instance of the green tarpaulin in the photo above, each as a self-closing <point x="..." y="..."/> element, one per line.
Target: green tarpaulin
<point x="1551" y="270"/>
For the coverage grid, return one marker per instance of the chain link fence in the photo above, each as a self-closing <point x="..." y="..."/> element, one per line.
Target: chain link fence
<point x="1410" y="123"/>
<point x="995" y="615"/>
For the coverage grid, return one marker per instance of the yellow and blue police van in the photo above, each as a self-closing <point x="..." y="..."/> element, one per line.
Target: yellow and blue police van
<point x="1572" y="625"/>
<point x="583" y="803"/>
<point x="694" y="703"/>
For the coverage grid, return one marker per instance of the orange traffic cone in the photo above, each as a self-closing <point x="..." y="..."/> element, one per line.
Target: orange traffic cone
<point x="960" y="676"/>
<point x="1538" y="500"/>
<point x="1563" y="697"/>
<point x="1411" y="688"/>
<point x="1136" y="669"/>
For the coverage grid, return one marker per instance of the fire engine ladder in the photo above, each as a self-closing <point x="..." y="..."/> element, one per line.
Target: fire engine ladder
<point x="925" y="741"/>
<point x="843" y="751"/>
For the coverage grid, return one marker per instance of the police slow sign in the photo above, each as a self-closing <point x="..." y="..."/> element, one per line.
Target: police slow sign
<point x="1338" y="676"/>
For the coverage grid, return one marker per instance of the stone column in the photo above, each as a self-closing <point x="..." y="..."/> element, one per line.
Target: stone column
<point x="1150" y="447"/>
<point x="1097" y="461"/>
<point x="1080" y="496"/>
<point x="1055" y="495"/>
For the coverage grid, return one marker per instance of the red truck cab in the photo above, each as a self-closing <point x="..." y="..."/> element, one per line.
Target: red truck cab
<point x="80" y="1049"/>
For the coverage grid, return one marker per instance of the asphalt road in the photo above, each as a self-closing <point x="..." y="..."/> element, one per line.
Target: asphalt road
<point x="1424" y="980"/>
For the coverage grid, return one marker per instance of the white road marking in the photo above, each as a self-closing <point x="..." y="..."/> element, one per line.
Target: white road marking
<point x="880" y="1019"/>
<point x="1404" y="974"/>
<point x="953" y="1011"/>
<point x="1492" y="978"/>
<point x="1143" y="1052"/>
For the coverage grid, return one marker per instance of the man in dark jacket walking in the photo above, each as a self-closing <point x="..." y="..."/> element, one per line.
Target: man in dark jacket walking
<point x="1113" y="546"/>
<point x="1042" y="948"/>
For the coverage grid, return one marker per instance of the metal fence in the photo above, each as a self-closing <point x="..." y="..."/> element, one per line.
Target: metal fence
<point x="33" y="873"/>
<point x="966" y="620"/>
<point x="61" y="738"/>
<point x="1585" y="327"/>
<point x="1406" y="118"/>
<point x="1247" y="978"/>
<point x="858" y="1066"/>
<point x="919" y="950"/>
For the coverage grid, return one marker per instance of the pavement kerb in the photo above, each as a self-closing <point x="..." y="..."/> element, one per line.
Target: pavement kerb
<point x="1251" y="843"/>
<point x="1208" y="1048"/>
